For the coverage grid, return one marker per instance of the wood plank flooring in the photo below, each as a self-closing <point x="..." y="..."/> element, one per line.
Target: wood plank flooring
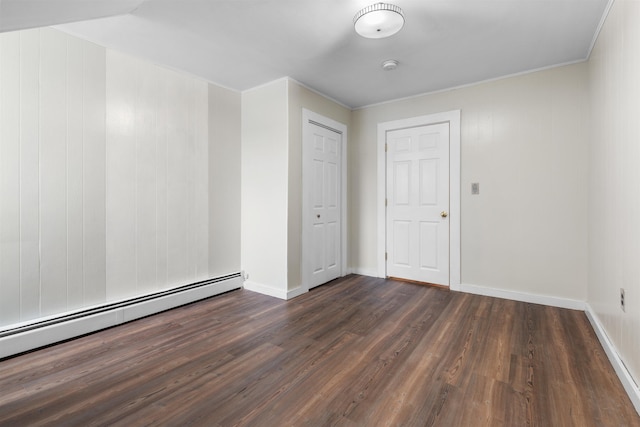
<point x="355" y="352"/>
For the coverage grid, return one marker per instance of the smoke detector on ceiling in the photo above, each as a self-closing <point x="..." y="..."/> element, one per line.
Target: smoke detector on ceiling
<point x="390" y="64"/>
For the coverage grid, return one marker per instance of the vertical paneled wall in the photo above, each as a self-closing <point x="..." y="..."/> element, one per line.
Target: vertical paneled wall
<point x="157" y="175"/>
<point x="103" y="176"/>
<point x="10" y="176"/>
<point x="614" y="190"/>
<point x="509" y="127"/>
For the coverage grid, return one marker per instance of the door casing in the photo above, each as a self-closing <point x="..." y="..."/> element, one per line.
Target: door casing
<point x="453" y="118"/>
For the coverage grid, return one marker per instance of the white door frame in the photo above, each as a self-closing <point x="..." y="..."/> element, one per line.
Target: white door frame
<point x="309" y="118"/>
<point x="453" y="118"/>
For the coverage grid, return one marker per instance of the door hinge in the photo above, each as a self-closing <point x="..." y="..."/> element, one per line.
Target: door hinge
<point x="385" y="202"/>
<point x="386" y="146"/>
<point x="385" y="256"/>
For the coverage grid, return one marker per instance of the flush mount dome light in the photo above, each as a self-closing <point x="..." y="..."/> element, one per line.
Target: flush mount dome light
<point x="378" y="21"/>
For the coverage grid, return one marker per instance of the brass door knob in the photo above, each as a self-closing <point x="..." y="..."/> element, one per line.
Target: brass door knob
<point x="443" y="214"/>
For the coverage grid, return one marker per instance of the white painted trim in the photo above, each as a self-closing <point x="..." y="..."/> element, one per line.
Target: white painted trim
<point x="603" y="19"/>
<point x="380" y="202"/>
<point x="288" y="79"/>
<point x="366" y="272"/>
<point x="265" y="289"/>
<point x="455" y="176"/>
<point x="306" y="132"/>
<point x="472" y="84"/>
<point x="626" y="379"/>
<point x="453" y="117"/>
<point x="29" y="340"/>
<point x="325" y="96"/>
<point x="296" y="292"/>
<point x="260" y="86"/>
<point x="523" y="297"/>
<point x="274" y="292"/>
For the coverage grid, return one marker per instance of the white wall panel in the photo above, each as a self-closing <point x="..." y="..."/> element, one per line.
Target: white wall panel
<point x="10" y="177"/>
<point x="162" y="152"/>
<point x="157" y="193"/>
<point x="53" y="172"/>
<point x="224" y="180"/>
<point x="75" y="217"/>
<point x="614" y="204"/>
<point x="201" y="179"/>
<point x="147" y="80"/>
<point x="177" y="162"/>
<point x="103" y="176"/>
<point x="94" y="160"/>
<point x="189" y="175"/>
<point x="121" y="176"/>
<point x="29" y="174"/>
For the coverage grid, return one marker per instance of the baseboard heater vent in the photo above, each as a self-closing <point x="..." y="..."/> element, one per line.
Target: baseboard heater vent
<point x="31" y="335"/>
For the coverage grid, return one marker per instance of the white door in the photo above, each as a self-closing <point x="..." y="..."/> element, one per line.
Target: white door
<point x="418" y="204"/>
<point x="323" y="208"/>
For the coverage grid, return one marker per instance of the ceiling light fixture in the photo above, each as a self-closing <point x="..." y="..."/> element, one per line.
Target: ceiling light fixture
<point x="378" y="21"/>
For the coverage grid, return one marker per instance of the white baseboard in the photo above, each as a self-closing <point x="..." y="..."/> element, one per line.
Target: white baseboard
<point x="274" y="292"/>
<point x="265" y="289"/>
<point x="612" y="353"/>
<point x="524" y="297"/>
<point x="46" y="335"/>
<point x="365" y="272"/>
<point x="296" y="292"/>
<point x="626" y="379"/>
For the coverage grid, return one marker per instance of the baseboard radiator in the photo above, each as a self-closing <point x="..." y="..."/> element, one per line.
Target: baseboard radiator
<point x="41" y="332"/>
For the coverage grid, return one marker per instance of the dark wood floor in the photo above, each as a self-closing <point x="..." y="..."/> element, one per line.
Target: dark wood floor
<point x="355" y="352"/>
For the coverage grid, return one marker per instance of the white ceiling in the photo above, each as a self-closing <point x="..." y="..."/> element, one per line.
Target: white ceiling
<point x="241" y="44"/>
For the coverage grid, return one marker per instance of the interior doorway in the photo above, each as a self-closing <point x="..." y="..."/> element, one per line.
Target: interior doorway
<point x="417" y="202"/>
<point x="419" y="199"/>
<point x="324" y="199"/>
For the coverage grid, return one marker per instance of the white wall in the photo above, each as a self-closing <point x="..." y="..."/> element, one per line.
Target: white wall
<point x="265" y="188"/>
<point x="272" y="182"/>
<point x="524" y="140"/>
<point x="103" y="176"/>
<point x="157" y="177"/>
<point x="224" y="181"/>
<point x="52" y="174"/>
<point x="614" y="203"/>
